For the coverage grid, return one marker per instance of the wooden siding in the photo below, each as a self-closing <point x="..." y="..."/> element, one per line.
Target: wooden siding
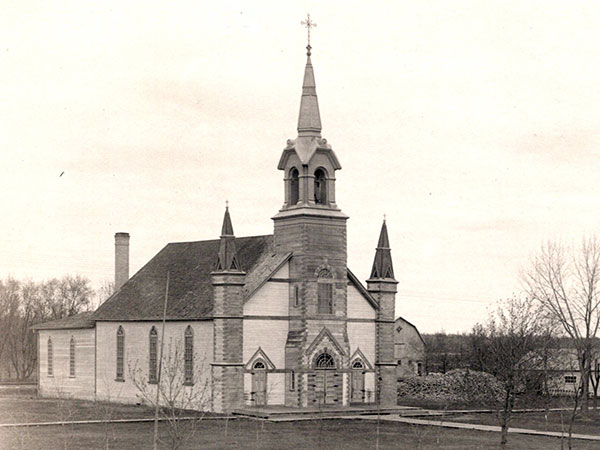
<point x="362" y="335"/>
<point x="61" y="384"/>
<point x="136" y="353"/>
<point x="270" y="335"/>
<point x="358" y="306"/>
<point x="272" y="299"/>
<point x="283" y="272"/>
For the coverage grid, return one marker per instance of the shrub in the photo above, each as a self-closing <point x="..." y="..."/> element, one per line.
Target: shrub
<point x="456" y="386"/>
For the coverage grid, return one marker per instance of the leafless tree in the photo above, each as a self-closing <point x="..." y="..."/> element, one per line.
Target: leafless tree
<point x="182" y="404"/>
<point x="9" y="306"/>
<point x="511" y="342"/>
<point x="26" y="303"/>
<point x="21" y="339"/>
<point x="107" y="288"/>
<point x="67" y="296"/>
<point x="564" y="280"/>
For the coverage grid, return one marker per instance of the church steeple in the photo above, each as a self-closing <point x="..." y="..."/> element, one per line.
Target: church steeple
<point x="227" y="260"/>
<point x="382" y="265"/>
<point x="309" y="118"/>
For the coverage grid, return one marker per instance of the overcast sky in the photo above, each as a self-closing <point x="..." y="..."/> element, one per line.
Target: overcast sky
<point x="474" y="126"/>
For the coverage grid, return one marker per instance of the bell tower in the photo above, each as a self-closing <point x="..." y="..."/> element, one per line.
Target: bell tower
<point x="312" y="227"/>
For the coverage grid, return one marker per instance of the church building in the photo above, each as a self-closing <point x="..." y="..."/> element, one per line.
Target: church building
<point x="278" y="319"/>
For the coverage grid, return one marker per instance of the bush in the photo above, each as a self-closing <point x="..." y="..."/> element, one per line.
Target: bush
<point x="456" y="386"/>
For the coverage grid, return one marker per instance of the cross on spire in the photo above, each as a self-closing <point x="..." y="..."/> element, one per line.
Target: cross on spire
<point x="308" y="24"/>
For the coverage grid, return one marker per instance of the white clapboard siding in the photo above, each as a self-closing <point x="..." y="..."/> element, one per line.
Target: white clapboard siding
<point x="358" y="306"/>
<point x="137" y="350"/>
<point x="270" y="336"/>
<point x="272" y="299"/>
<point x="362" y="335"/>
<point x="61" y="384"/>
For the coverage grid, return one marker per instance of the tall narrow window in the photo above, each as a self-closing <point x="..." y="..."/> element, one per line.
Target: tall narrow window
<point x="294" y="187"/>
<point x="325" y="297"/>
<point x="320" y="187"/>
<point x="120" y="353"/>
<point x="152" y="355"/>
<point x="72" y="357"/>
<point x="296" y="296"/>
<point x="292" y="380"/>
<point x="188" y="357"/>
<point x="50" y="359"/>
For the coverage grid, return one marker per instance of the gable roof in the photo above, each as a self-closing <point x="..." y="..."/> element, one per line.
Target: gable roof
<point x="78" y="321"/>
<point x="190" y="285"/>
<point x="399" y="319"/>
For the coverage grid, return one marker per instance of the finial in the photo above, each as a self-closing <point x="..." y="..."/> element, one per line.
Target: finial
<point x="226" y="204"/>
<point x="384" y="216"/>
<point x="308" y="24"/>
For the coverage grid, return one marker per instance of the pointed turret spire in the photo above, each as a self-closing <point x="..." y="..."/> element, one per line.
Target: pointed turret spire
<point x="382" y="265"/>
<point x="227" y="259"/>
<point x="309" y="119"/>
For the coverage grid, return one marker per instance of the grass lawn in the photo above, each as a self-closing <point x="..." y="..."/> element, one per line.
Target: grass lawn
<point x="15" y="409"/>
<point x="243" y="433"/>
<point x="537" y="421"/>
<point x="234" y="434"/>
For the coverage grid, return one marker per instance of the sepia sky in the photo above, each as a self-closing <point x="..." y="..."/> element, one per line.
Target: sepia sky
<point x="474" y="126"/>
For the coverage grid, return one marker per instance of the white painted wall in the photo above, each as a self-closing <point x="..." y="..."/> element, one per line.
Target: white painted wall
<point x="358" y="306"/>
<point x="362" y="335"/>
<point x="283" y="272"/>
<point x="61" y="384"/>
<point x="136" y="356"/>
<point x="272" y="299"/>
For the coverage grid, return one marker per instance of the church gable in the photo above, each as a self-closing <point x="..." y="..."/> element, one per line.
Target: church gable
<point x="261" y="356"/>
<point x="325" y="340"/>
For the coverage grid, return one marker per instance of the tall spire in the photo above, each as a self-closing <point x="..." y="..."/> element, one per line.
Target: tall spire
<point x="382" y="265"/>
<point x="227" y="259"/>
<point x="309" y="119"/>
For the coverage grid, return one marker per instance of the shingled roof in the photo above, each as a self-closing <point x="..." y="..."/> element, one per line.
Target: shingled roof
<point x="190" y="290"/>
<point x="78" y="321"/>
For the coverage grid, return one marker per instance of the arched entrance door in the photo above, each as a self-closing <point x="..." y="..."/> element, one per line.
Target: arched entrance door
<point x="326" y="380"/>
<point x="259" y="383"/>
<point x="357" y="382"/>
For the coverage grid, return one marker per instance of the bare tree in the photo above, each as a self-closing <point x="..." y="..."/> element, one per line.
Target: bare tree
<point x="9" y="305"/>
<point x="107" y="288"/>
<point x="509" y="346"/>
<point x="26" y="303"/>
<point x="564" y="280"/>
<point x="182" y="400"/>
<point x="68" y="296"/>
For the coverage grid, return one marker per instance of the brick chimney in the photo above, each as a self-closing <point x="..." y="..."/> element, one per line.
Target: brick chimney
<point x="121" y="259"/>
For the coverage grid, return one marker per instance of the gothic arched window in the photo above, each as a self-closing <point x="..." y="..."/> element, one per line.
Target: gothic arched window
<point x="325" y="361"/>
<point x="357" y="364"/>
<point x="50" y="359"/>
<point x="294" y="187"/>
<point x="188" y="357"/>
<point x="120" y="353"/>
<point x="324" y="292"/>
<point x="320" y="187"/>
<point x="152" y="355"/>
<point x="72" y="357"/>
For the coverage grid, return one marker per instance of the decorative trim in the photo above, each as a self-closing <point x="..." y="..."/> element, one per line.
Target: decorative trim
<point x="360" y="356"/>
<point x="224" y="364"/>
<point x="259" y="354"/>
<point x="325" y="333"/>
